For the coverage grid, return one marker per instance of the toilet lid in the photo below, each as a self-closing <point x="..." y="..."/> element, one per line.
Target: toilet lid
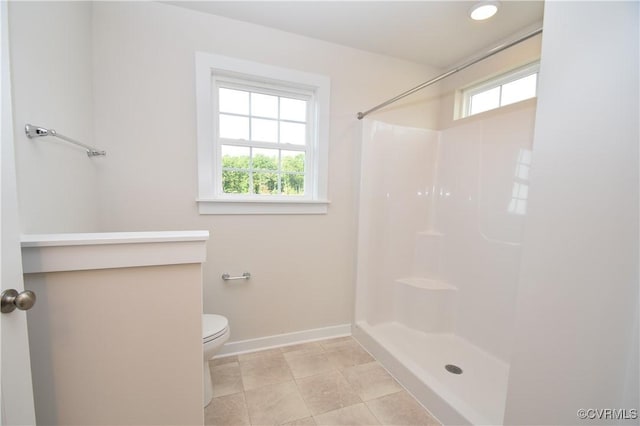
<point x="213" y="325"/>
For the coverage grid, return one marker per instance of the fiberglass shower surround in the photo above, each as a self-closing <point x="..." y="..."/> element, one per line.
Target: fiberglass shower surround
<point x="441" y="220"/>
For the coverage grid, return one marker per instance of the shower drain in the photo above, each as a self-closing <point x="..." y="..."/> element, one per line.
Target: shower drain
<point x="451" y="368"/>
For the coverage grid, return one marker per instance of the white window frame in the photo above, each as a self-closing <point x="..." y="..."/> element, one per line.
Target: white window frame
<point x="214" y="71"/>
<point x="467" y="93"/>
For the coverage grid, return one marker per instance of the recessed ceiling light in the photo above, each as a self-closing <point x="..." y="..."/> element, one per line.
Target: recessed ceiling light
<point x="483" y="10"/>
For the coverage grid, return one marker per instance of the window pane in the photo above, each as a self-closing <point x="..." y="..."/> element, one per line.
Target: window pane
<point x="292" y="184"/>
<point x="236" y="157"/>
<point x="234" y="101"/>
<point x="293" y="133"/>
<point x="519" y="90"/>
<point x="265" y="159"/>
<point x="264" y="105"/>
<point x="485" y="101"/>
<point x="235" y="182"/>
<point x="264" y="130"/>
<point x="265" y="183"/>
<point x="232" y="127"/>
<point x="292" y="161"/>
<point x="293" y="109"/>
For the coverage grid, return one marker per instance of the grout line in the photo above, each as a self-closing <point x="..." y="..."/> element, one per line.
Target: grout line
<point x="295" y="381"/>
<point x="401" y="385"/>
<point x="372" y="413"/>
<point x="246" y="406"/>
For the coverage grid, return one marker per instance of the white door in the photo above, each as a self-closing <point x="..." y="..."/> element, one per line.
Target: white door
<point x="16" y="391"/>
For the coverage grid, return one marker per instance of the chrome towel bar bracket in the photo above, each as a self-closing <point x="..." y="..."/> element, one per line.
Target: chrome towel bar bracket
<point x="36" y="131"/>
<point x="227" y="277"/>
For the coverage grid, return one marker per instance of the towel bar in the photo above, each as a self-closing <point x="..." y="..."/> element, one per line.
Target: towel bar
<point x="227" y="277"/>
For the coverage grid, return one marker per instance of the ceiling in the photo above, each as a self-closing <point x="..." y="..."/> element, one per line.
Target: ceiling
<point x="437" y="33"/>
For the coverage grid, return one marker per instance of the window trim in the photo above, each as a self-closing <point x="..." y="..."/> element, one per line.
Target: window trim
<point x="211" y="68"/>
<point x="468" y="92"/>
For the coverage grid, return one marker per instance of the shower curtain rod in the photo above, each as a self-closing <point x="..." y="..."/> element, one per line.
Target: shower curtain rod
<point x="491" y="52"/>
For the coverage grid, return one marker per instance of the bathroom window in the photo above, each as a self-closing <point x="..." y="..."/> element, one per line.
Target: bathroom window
<point x="262" y="138"/>
<point x="514" y="86"/>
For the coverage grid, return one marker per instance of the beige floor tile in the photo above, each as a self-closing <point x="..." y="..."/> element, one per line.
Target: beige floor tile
<point x="227" y="410"/>
<point x="307" y="348"/>
<point x="327" y="392"/>
<point x="349" y="356"/>
<point x="223" y="360"/>
<point x="371" y="380"/>
<point x="338" y="343"/>
<point x="304" y="365"/>
<point x="226" y="379"/>
<point x="259" y="354"/>
<point x="264" y="370"/>
<point x="307" y="421"/>
<point x="400" y="408"/>
<point x="356" y="415"/>
<point x="276" y="404"/>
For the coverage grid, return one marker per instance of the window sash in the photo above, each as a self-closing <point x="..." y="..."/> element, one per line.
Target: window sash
<point x="259" y="87"/>
<point x="252" y="170"/>
<point x="497" y="82"/>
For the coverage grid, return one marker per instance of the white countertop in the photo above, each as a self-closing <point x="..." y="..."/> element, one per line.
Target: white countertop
<point x="93" y="238"/>
<point x="105" y="250"/>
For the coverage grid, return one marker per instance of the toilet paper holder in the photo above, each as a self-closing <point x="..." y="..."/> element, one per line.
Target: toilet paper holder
<point x="227" y="277"/>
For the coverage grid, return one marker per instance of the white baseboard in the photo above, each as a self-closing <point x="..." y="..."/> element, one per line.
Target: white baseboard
<point x="268" y="342"/>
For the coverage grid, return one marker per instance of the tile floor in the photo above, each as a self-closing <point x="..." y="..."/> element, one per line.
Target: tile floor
<point x="331" y="382"/>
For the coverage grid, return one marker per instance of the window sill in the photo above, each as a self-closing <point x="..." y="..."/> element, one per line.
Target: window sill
<point x="218" y="206"/>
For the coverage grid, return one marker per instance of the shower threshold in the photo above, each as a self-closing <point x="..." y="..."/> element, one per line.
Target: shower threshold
<point x="418" y="360"/>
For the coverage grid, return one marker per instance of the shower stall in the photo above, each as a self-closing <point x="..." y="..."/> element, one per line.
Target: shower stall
<point x="440" y="225"/>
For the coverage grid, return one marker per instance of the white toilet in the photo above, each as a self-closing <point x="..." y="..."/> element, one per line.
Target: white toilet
<point x="215" y="331"/>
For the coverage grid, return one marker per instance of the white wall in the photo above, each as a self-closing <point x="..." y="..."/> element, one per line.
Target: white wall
<point x="576" y="334"/>
<point x="51" y="63"/>
<point x="302" y="267"/>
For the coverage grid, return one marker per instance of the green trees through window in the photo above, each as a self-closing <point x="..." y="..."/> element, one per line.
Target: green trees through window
<point x="261" y="174"/>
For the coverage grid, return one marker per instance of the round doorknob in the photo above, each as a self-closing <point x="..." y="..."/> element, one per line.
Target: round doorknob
<point x="11" y="299"/>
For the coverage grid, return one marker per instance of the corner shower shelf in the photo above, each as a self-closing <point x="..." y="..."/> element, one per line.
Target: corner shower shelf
<point x="425" y="305"/>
